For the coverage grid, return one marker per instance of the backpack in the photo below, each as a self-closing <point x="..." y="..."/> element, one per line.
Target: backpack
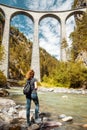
<point x="27" y="88"/>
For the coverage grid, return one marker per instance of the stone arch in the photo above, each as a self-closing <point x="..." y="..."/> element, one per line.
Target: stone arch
<point x="74" y="12"/>
<point x="1" y="10"/>
<point x="50" y="15"/>
<point x="23" y="13"/>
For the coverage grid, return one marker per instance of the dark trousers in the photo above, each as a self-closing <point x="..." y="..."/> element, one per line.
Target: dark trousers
<point x="34" y="97"/>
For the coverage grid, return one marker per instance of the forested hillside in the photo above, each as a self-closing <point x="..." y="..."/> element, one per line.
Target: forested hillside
<point x="20" y="54"/>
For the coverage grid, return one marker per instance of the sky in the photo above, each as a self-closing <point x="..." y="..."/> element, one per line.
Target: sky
<point x="49" y="28"/>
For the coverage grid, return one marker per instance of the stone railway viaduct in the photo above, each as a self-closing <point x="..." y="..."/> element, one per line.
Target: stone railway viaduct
<point x="36" y="17"/>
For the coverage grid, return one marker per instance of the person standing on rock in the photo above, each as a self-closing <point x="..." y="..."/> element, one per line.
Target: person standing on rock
<point x="32" y="96"/>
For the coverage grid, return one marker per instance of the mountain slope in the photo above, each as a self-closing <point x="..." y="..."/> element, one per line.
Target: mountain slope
<point x="20" y="56"/>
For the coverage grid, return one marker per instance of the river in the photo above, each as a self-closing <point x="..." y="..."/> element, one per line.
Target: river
<point x="55" y="104"/>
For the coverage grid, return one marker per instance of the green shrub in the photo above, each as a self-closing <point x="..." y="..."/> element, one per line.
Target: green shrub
<point x="70" y="74"/>
<point x="22" y="82"/>
<point x="3" y="80"/>
<point x="76" y="75"/>
<point x="1" y="53"/>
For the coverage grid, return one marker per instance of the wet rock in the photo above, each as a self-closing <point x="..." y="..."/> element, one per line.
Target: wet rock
<point x="18" y="107"/>
<point x="69" y="118"/>
<point x="15" y="121"/>
<point x="3" y="92"/>
<point x="22" y="114"/>
<point x="38" y="121"/>
<point x="4" y="126"/>
<point x="5" y="117"/>
<point x="44" y="114"/>
<point x="6" y="102"/>
<point x="15" y="127"/>
<point x="12" y="111"/>
<point x="61" y="116"/>
<point x="85" y="126"/>
<point x="1" y="123"/>
<point x="51" y="124"/>
<point x="35" y="127"/>
<point x="45" y="119"/>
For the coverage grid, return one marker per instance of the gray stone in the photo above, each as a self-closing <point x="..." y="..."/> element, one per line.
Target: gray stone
<point x="6" y="102"/>
<point x="61" y="116"/>
<point x="68" y="118"/>
<point x="35" y="127"/>
<point x="15" y="127"/>
<point x="3" y="92"/>
<point x="38" y="121"/>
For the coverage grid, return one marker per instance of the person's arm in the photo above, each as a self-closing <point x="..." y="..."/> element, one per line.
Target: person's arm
<point x="36" y="87"/>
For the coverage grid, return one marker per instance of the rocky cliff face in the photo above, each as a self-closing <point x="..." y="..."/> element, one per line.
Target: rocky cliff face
<point x="82" y="56"/>
<point x="82" y="3"/>
<point x="79" y="4"/>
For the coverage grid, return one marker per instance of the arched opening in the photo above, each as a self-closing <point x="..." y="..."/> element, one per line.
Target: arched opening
<point x="2" y="21"/>
<point x="21" y="39"/>
<point x="49" y="42"/>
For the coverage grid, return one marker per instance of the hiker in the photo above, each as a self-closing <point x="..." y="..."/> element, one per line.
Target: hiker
<point x="32" y="96"/>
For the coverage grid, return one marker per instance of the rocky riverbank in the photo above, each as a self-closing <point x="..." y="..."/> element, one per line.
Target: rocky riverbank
<point x="63" y="90"/>
<point x="13" y="116"/>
